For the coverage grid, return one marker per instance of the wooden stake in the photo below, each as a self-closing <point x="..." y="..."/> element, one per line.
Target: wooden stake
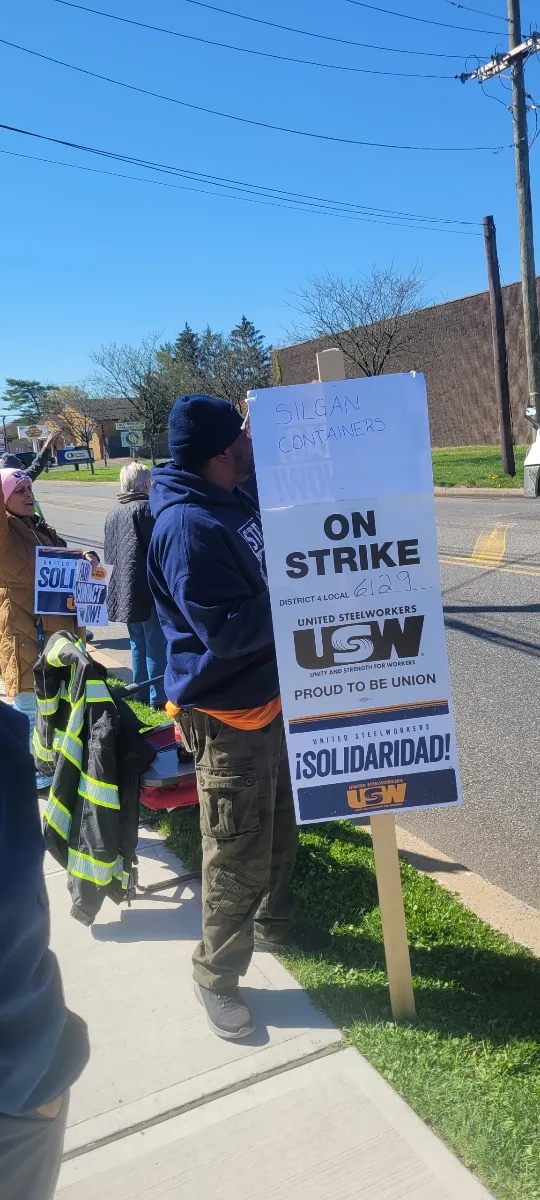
<point x="396" y="947"/>
<point x="331" y="365"/>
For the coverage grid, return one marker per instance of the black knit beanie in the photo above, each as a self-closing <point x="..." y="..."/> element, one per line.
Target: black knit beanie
<point x="201" y="427"/>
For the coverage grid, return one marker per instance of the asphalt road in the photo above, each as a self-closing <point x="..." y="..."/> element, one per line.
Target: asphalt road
<point x="493" y="625"/>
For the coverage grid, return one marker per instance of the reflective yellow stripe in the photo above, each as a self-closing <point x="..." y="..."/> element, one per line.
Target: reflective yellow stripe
<point x="105" y="794"/>
<point x="95" y="692"/>
<point x="57" y="816"/>
<point x="48" y="707"/>
<point x="120" y="874"/>
<point x="76" y="718"/>
<point x="70" y="746"/>
<point x="85" y="867"/>
<point x="53" y="657"/>
<point x="40" y="750"/>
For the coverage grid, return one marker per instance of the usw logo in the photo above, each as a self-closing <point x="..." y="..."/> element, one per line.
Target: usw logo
<point x="370" y="641"/>
<point x="377" y="795"/>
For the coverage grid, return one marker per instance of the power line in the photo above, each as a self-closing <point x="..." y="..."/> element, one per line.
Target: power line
<point x="325" y="37"/>
<point x="252" y="200"/>
<point x="241" y="50"/>
<point x="390" y="12"/>
<point x="306" y="133"/>
<point x="237" y="184"/>
<point x="481" y="12"/>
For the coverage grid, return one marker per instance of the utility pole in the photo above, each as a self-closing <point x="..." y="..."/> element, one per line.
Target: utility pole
<point x="499" y="347"/>
<point x="523" y="183"/>
<point x="514" y="60"/>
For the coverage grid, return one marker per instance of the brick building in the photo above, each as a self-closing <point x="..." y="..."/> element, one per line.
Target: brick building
<point x="452" y="345"/>
<point x="106" y="441"/>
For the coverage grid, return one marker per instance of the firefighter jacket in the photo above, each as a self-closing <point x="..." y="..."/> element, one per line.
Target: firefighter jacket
<point x="92" y="744"/>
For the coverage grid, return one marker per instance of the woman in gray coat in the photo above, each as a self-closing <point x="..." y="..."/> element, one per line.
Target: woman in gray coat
<point x="128" y="530"/>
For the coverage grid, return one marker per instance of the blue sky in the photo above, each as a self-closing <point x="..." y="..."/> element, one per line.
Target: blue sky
<point x="89" y="259"/>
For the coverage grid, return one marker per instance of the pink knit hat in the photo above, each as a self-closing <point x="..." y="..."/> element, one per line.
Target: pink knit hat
<point x="10" y="477"/>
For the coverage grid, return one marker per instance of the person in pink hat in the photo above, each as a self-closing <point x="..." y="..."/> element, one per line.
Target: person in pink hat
<point x="21" y="530"/>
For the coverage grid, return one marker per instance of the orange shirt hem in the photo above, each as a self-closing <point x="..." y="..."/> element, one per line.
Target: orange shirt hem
<point x="239" y="718"/>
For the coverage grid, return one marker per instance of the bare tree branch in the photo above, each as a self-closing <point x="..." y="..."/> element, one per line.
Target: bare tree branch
<point x="135" y="374"/>
<point x="362" y="316"/>
<point x="72" y="411"/>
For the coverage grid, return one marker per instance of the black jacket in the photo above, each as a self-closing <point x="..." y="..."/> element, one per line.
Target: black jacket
<point x="92" y="743"/>
<point x="43" y="1046"/>
<point x="37" y="466"/>
<point x="128" y="530"/>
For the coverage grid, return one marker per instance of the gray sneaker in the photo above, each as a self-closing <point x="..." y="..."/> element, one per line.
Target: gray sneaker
<point x="226" y="1013"/>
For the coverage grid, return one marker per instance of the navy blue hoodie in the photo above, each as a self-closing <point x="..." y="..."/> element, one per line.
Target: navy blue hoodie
<point x="43" y="1046"/>
<point x="207" y="575"/>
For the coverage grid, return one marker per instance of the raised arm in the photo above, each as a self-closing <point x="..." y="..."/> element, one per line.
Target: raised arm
<point x="4" y="527"/>
<point x="41" y="460"/>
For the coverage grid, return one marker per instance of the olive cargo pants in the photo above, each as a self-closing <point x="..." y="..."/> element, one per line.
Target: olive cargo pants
<point x="249" y="838"/>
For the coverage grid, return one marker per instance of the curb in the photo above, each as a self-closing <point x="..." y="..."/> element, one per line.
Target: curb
<point x="458" y="492"/>
<point x="500" y="910"/>
<point x="474" y="493"/>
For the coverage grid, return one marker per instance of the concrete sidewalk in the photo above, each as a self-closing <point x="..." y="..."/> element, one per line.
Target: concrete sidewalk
<point x="167" y="1110"/>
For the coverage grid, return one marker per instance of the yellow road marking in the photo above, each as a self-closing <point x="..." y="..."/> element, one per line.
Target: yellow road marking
<point x="516" y="569"/>
<point x="490" y="547"/>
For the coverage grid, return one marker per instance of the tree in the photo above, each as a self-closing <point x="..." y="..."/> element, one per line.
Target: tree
<point x="29" y="398"/>
<point x="136" y="374"/>
<point x="362" y="316"/>
<point x="218" y="364"/>
<point x="186" y="349"/>
<point x="74" y="413"/>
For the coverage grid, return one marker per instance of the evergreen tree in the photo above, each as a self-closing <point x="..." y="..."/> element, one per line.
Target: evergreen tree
<point x="218" y="364"/>
<point x="29" y="398"/>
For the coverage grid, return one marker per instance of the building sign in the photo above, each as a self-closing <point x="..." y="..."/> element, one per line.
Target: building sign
<point x="346" y="491"/>
<point x="72" y="454"/>
<point x="31" y="432"/>
<point x="123" y="426"/>
<point x="132" y="438"/>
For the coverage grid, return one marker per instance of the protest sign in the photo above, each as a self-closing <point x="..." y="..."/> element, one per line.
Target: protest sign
<point x="56" y="570"/>
<point x="91" y="587"/>
<point x="346" y="491"/>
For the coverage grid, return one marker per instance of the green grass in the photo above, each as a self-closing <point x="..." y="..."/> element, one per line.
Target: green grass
<point x="84" y="474"/>
<point x="470" y="1066"/>
<point x="475" y="466"/>
<point x="453" y="466"/>
<point x="148" y="716"/>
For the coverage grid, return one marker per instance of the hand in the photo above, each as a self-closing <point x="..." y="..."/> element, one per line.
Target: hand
<point x="51" y="1110"/>
<point x="91" y="556"/>
<point x="49" y="441"/>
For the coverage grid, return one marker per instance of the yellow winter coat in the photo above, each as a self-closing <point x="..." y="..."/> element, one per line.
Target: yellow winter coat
<point x="19" y="646"/>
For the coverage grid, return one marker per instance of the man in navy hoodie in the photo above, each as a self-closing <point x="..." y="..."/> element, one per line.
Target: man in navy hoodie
<point x="43" y="1046"/>
<point x="207" y="575"/>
